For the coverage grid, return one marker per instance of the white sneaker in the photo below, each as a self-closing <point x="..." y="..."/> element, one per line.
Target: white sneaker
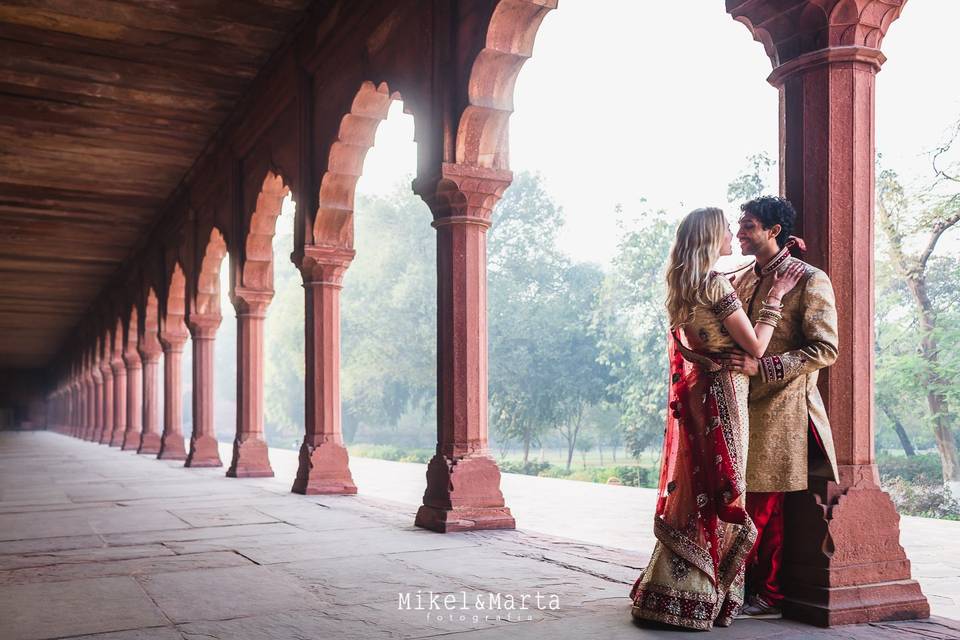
<point x="756" y="608"/>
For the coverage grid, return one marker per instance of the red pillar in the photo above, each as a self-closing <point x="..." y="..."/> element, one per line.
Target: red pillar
<point x="324" y="463"/>
<point x="106" y="424"/>
<point x="71" y="408"/>
<point x="203" y="440"/>
<point x="463" y="481"/>
<point x="150" y="437"/>
<point x="171" y="442"/>
<point x="131" y="436"/>
<point x="843" y="562"/>
<point x="250" y="459"/>
<point x="89" y="404"/>
<point x="119" y="401"/>
<point x="829" y="173"/>
<point x="96" y="398"/>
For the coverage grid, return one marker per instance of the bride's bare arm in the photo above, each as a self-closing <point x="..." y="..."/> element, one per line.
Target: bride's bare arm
<point x="754" y="339"/>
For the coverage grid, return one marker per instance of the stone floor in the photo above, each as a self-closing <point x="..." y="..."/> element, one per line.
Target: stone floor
<point x="105" y="544"/>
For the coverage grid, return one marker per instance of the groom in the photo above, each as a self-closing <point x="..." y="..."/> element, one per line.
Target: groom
<point x="789" y="432"/>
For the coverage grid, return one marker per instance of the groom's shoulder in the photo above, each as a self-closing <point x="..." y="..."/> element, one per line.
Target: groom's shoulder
<point x="810" y="272"/>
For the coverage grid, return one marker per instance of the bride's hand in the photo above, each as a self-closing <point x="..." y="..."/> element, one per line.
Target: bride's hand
<point x="785" y="281"/>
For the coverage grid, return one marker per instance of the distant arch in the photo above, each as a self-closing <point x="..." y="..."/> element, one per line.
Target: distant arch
<point x="333" y="226"/>
<point x="208" y="280"/>
<point x="257" y="272"/>
<point x="482" y="135"/>
<point x="176" y="301"/>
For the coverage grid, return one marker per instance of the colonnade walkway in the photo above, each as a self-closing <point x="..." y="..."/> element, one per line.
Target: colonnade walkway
<point x="106" y="544"/>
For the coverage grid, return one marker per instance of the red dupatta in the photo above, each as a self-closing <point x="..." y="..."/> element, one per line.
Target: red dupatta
<point x="699" y="479"/>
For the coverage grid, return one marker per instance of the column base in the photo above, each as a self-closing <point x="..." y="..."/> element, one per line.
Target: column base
<point x="203" y="453"/>
<point x="847" y="565"/>
<point x="463" y="494"/>
<point x="172" y="448"/>
<point x="250" y="460"/>
<point x="149" y="443"/>
<point x="131" y="440"/>
<point x="324" y="469"/>
<point x="116" y="439"/>
<point x="103" y="436"/>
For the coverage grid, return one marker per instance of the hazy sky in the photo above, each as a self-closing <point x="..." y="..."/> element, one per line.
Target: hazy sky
<point x="625" y="100"/>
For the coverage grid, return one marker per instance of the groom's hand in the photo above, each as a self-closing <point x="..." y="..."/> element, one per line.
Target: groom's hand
<point x="739" y="361"/>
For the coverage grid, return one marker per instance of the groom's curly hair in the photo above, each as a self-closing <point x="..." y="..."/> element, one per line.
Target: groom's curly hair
<point x="771" y="210"/>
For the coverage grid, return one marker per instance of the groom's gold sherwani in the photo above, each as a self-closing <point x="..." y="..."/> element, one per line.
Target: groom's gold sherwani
<point x="784" y="397"/>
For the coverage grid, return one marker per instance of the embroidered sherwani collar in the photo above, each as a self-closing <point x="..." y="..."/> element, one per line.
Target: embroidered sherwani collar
<point x="775" y="263"/>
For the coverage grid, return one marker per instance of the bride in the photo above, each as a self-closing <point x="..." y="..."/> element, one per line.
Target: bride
<point x="695" y="576"/>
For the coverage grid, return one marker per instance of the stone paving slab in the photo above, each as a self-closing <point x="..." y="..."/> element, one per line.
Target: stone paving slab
<point x="56" y="609"/>
<point x="141" y="549"/>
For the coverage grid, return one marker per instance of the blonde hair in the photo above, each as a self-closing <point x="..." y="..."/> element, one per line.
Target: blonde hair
<point x="695" y="249"/>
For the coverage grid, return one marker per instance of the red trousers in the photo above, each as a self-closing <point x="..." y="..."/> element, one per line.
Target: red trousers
<point x="766" y="558"/>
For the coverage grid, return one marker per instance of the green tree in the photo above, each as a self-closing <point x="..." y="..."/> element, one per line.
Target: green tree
<point x="544" y="369"/>
<point x="388" y="316"/>
<point x="630" y="323"/>
<point x="752" y="182"/>
<point x="921" y="220"/>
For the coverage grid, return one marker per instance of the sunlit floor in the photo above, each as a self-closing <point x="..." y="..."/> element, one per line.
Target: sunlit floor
<point x="98" y="541"/>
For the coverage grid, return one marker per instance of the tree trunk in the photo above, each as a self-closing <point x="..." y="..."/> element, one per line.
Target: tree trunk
<point x="946" y="443"/>
<point x="526" y="445"/>
<point x="600" y="451"/>
<point x="901" y="432"/>
<point x="929" y="349"/>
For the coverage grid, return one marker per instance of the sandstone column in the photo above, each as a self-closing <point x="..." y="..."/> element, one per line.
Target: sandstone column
<point x="131" y="437"/>
<point x="93" y="395"/>
<point x="119" y="400"/>
<point x="171" y="442"/>
<point x="463" y="481"/>
<point x="842" y="559"/>
<point x="106" y="424"/>
<point x="250" y="458"/>
<point x="324" y="463"/>
<point x="203" y="440"/>
<point x="150" y="351"/>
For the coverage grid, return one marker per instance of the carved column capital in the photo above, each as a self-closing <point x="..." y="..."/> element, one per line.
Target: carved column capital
<point x="131" y="357"/>
<point x="462" y="193"/>
<point x="789" y="30"/>
<point x="173" y="341"/>
<point x="325" y="265"/>
<point x="117" y="365"/>
<point x="203" y="326"/>
<point x="862" y="57"/>
<point x="251" y="302"/>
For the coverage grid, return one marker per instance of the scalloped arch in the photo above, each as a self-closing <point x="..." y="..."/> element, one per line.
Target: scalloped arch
<point x="133" y="332"/>
<point x="333" y="225"/>
<point x="176" y="302"/>
<point x="208" y="280"/>
<point x="257" y="270"/>
<point x="482" y="135"/>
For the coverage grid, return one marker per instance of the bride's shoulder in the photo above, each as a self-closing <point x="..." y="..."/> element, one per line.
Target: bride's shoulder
<point x="718" y="286"/>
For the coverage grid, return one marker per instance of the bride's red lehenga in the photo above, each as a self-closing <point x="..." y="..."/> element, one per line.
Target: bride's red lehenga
<point x="695" y="576"/>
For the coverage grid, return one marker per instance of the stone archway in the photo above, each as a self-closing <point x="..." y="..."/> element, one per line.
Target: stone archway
<point x="173" y="336"/>
<point x="324" y="463"/>
<point x="150" y="350"/>
<point x="131" y="358"/>
<point x="204" y="320"/>
<point x="251" y="297"/>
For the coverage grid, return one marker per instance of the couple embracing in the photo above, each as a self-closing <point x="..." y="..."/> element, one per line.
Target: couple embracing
<point x="745" y="422"/>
